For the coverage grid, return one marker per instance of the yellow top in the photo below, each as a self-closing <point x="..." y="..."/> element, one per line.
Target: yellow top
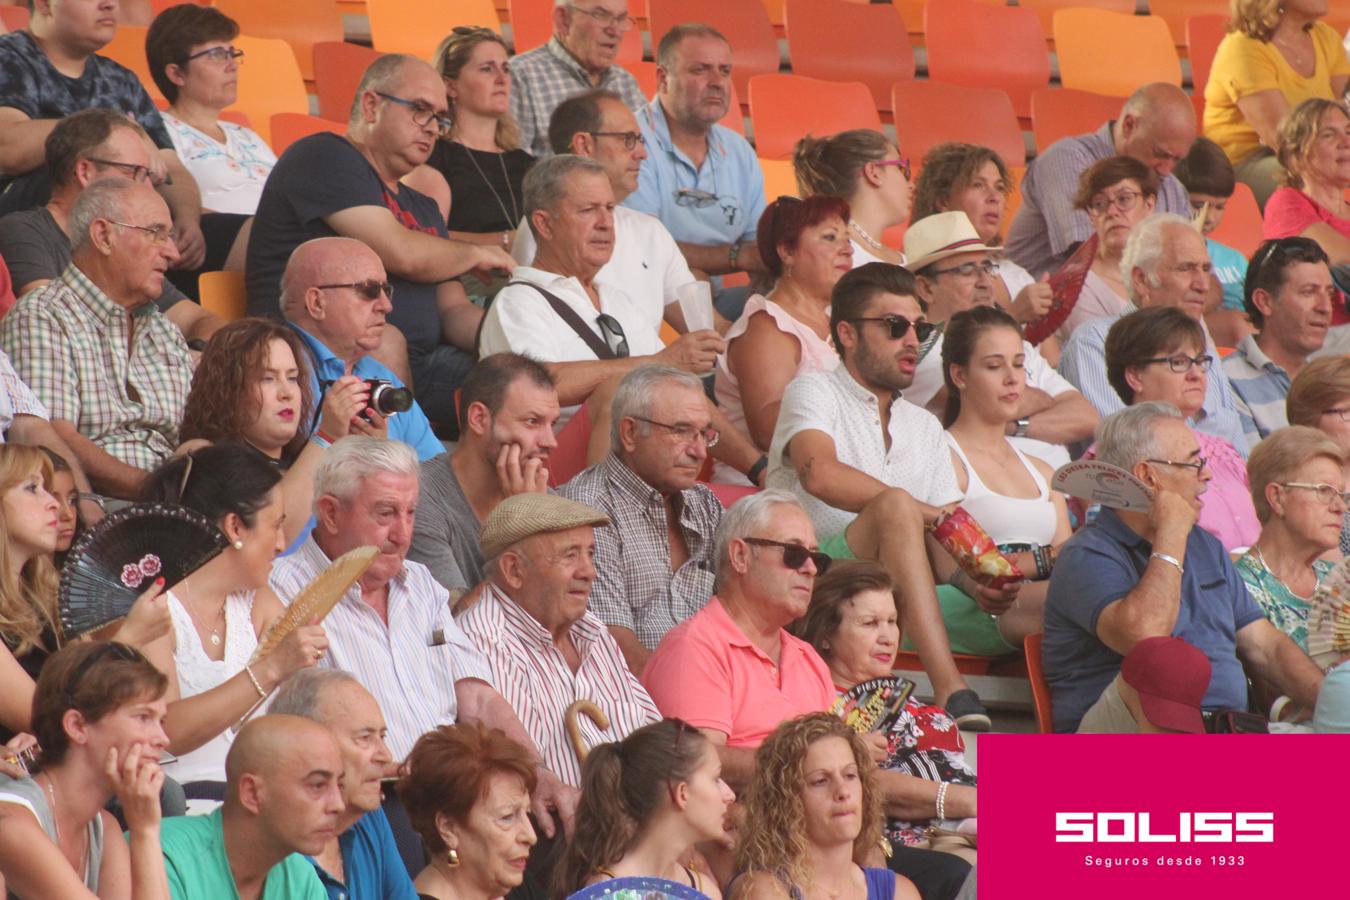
<point x="1244" y="66"/>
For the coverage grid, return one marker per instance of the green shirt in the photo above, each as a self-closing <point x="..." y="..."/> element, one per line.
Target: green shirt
<point x="194" y="857"/>
<point x="1286" y="610"/>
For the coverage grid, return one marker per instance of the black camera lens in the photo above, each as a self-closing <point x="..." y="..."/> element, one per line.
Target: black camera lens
<point x="388" y="400"/>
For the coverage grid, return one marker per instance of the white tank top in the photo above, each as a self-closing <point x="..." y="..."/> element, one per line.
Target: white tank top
<point x="1009" y="520"/>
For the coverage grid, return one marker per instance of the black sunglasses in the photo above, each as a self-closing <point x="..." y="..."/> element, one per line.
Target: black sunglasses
<point x="614" y="335"/>
<point x="795" y="555"/>
<point x="371" y="289"/>
<point x="900" y="326"/>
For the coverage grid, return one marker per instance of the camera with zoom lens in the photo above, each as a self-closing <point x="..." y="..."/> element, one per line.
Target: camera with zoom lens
<point x="386" y="399"/>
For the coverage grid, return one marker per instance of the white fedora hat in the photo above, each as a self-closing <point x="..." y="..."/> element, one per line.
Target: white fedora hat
<point x="939" y="236"/>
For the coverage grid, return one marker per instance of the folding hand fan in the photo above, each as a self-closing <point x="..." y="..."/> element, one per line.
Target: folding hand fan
<point x="1329" y="617"/>
<point x="119" y="558"/>
<point x="319" y="596"/>
<point x="1099" y="482"/>
<point x="638" y="887"/>
<point x="1066" y="283"/>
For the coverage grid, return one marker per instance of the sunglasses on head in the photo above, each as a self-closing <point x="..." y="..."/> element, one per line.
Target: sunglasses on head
<point x="795" y="555"/>
<point x="900" y="326"/>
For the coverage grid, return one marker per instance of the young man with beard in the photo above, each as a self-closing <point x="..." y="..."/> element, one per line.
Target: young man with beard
<point x="871" y="468"/>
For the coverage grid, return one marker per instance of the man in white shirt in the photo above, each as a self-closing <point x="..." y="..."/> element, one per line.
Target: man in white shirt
<point x="955" y="271"/>
<point x="872" y="470"/>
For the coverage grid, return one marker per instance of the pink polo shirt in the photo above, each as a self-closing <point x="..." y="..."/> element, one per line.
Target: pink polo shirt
<point x="708" y="673"/>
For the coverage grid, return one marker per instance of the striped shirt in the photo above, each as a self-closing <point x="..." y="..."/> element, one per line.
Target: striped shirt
<point x="546" y="76"/>
<point x="410" y="665"/>
<point x="534" y="677"/>
<point x="123" y="389"/>
<point x="1260" y="386"/>
<point x="634" y="587"/>
<point x="16" y="398"/>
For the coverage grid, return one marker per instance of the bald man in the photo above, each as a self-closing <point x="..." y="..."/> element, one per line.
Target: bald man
<point x="349" y="185"/>
<point x="1156" y="126"/>
<point x="283" y="797"/>
<point x="335" y="294"/>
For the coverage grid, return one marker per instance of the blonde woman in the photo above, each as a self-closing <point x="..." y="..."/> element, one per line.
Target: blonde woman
<point x="1314" y="150"/>
<point x="1320" y="398"/>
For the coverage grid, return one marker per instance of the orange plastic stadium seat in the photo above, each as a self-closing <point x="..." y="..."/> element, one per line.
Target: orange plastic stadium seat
<point x="1203" y="36"/>
<point x="785" y="108"/>
<point x="300" y="23"/>
<point x="128" y="48"/>
<point x="416" y="27"/>
<point x="780" y="179"/>
<point x="744" y="22"/>
<point x="1241" y="225"/>
<point x="14" y="18"/>
<point x="223" y="293"/>
<point x="978" y="45"/>
<point x="1045" y="9"/>
<point x="1040" y="690"/>
<point x="1059" y="113"/>
<point x="269" y="82"/>
<point x="287" y="128"/>
<point x="338" y="67"/>
<point x="928" y="113"/>
<point x="1176" y="12"/>
<point x="532" y="25"/>
<point x="1113" y="54"/>
<point x="838" y="40"/>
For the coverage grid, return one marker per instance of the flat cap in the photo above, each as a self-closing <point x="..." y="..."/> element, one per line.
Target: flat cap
<point x="524" y="515"/>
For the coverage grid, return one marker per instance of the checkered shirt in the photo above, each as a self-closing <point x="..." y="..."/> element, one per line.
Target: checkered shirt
<point x="544" y="77"/>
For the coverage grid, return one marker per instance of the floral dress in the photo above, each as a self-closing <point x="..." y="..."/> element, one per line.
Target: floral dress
<point x="1286" y="610"/>
<point x="924" y="742"/>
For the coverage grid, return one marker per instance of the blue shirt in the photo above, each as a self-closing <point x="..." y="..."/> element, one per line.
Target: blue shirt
<point x="730" y="172"/>
<point x="1261" y="387"/>
<point x="371" y="863"/>
<point x="1102" y="563"/>
<point x="1230" y="269"/>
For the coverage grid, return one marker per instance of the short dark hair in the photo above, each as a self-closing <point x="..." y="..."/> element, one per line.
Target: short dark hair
<point x="784" y="220"/>
<point x="175" y="32"/>
<point x="856" y="289"/>
<point x="1206" y="170"/>
<point x="1269" y="263"/>
<point x="492" y="376"/>
<point x="665" y="48"/>
<point x="78" y="135"/>
<point x="1145" y="334"/>
<point x="577" y="115"/>
<point x="94" y="679"/>
<point x="1113" y="170"/>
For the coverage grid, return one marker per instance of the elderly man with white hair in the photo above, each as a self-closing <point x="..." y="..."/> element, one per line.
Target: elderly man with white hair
<point x="1165" y="263"/>
<point x="393" y="630"/>
<point x="1133" y="575"/>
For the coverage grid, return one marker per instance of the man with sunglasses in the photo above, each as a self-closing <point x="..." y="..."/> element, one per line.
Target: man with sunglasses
<point x="1131" y="575"/>
<point x="349" y="185"/>
<point x="702" y="179"/>
<point x="872" y="469"/>
<point x="52" y="70"/>
<point x="1290" y="298"/>
<point x="955" y="271"/>
<point x="579" y="57"/>
<point x="1156" y="126"/>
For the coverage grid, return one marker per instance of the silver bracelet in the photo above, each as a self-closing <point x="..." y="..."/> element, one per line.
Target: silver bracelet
<point x="1169" y="559"/>
<point x="942" y="801"/>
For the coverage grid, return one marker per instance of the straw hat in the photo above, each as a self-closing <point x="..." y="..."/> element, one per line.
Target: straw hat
<point x="939" y="236"/>
<point x="524" y="515"/>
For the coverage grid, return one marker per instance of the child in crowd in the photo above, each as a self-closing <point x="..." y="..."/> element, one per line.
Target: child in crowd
<point x="1208" y="177"/>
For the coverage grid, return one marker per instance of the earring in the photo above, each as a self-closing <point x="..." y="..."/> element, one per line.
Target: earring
<point x="824" y="645"/>
<point x="451" y="858"/>
<point x="239" y="545"/>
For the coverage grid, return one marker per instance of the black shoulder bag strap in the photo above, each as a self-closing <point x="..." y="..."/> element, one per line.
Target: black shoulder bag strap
<point x="574" y="321"/>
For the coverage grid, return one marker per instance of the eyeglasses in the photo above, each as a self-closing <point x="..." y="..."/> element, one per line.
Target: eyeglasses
<point x="630" y="138"/>
<point x="1182" y="363"/>
<point x="422" y="114"/>
<point x="218" y="54"/>
<point x="606" y="19"/>
<point x="1327" y="493"/>
<point x="795" y="555"/>
<point x="1124" y="201"/>
<point x="687" y="433"/>
<point x="371" y="290"/>
<point x="699" y="199"/>
<point x="159" y="234"/>
<point x="900" y="326"/>
<point x="134" y="172"/>
<point x="1198" y="464"/>
<point x="902" y="162"/>
<point x="970" y="269"/>
<point x="613" y="334"/>
<point x="1341" y="412"/>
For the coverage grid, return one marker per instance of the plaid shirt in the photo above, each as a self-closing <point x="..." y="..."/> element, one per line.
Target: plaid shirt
<point x="634" y="587"/>
<point x="16" y="398"/>
<point x="544" y="77"/>
<point x="123" y="389"/>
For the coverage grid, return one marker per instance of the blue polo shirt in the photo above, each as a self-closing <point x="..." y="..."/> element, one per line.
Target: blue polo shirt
<point x="730" y="172"/>
<point x="371" y="862"/>
<point x="1102" y="563"/>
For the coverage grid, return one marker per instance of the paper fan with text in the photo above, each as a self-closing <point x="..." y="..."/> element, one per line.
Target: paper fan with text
<point x="119" y="559"/>
<point x="1329" y="617"/>
<point x="1066" y="283"/>
<point x="638" y="887"/>
<point x="319" y="596"/>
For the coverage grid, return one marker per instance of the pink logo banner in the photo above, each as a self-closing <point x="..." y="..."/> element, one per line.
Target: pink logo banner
<point x="1153" y="817"/>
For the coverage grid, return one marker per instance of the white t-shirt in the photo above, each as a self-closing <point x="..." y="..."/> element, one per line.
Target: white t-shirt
<point x="230" y="175"/>
<point x="646" y="261"/>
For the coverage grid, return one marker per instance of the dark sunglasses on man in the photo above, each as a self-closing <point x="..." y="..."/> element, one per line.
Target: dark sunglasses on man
<point x="899" y="326"/>
<point x="795" y="555"/>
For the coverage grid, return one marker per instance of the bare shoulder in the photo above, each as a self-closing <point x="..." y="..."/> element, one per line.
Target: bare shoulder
<point x="758" y="886"/>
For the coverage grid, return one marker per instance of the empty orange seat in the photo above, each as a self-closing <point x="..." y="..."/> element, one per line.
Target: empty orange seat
<point x="928" y="113"/>
<point x="744" y="23"/>
<point x="1045" y="9"/>
<point x="1059" y="113"/>
<point x="785" y="108"/>
<point x="780" y="180"/>
<point x="838" y="40"/>
<point x="287" y="128"/>
<point x="979" y="45"/>
<point x="269" y="82"/>
<point x="416" y="27"/>
<point x="1241" y="225"/>
<point x="338" y="67"/>
<point x="1203" y="36"/>
<point x="223" y="293"/>
<point x="1176" y="12"/>
<point x="1113" y="54"/>
<point x="532" y="25"/>
<point x="14" y="18"/>
<point x="300" y="23"/>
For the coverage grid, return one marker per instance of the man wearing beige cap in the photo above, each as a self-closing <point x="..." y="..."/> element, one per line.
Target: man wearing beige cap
<point x="955" y="271"/>
<point x="544" y="650"/>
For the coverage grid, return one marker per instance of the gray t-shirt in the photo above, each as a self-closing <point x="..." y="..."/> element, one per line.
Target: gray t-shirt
<point x="35" y="248"/>
<point x="446" y="534"/>
<point x="29" y="794"/>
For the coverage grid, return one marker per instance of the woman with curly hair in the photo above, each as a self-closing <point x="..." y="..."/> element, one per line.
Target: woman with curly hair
<point x="813" y="815"/>
<point x="252" y="385"/>
<point x="646" y="801"/>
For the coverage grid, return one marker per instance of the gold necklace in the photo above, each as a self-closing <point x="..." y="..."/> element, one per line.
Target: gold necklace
<point x="56" y="824"/>
<point x="214" y="637"/>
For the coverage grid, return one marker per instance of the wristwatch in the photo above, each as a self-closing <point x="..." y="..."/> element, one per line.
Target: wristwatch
<point x="734" y="256"/>
<point x="1021" y="426"/>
